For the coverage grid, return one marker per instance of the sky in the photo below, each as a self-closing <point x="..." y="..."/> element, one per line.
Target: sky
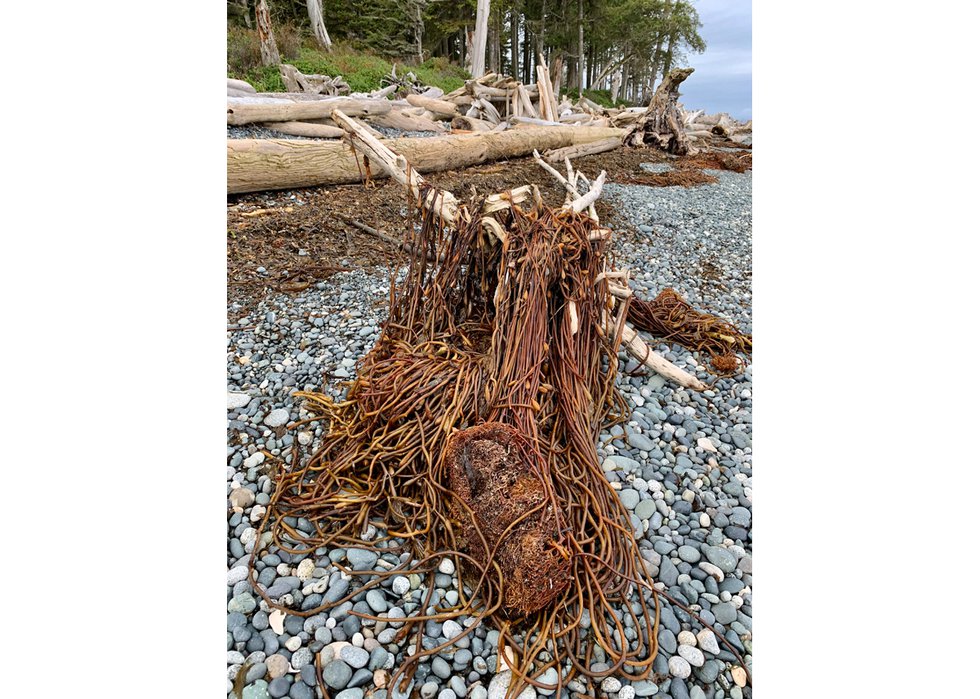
<point x="722" y="78"/>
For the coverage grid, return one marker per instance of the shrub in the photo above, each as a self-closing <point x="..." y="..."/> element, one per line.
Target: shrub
<point x="244" y="53"/>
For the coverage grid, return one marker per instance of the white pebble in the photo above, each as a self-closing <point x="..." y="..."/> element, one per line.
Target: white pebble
<point x="707" y="641"/>
<point x="679" y="667"/>
<point x="400" y="585"/>
<point x="691" y="655"/>
<point x="447" y="567"/>
<point x="686" y="638"/>
<point x="611" y="684"/>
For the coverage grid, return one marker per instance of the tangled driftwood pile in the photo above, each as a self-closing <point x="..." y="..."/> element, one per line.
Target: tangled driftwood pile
<point x="490" y="118"/>
<point x="470" y="433"/>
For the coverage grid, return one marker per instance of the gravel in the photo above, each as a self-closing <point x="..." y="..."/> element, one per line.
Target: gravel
<point x="683" y="468"/>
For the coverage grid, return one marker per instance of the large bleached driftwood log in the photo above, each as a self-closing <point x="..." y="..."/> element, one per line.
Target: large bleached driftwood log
<point x="249" y="110"/>
<point x="661" y="125"/>
<point x="259" y="164"/>
<point x="572" y="152"/>
<point x="402" y="119"/>
<point x="440" y="108"/>
<point x="304" y="128"/>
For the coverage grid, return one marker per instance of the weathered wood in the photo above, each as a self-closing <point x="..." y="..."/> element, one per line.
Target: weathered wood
<point x="295" y="81"/>
<point x="525" y="96"/>
<point x="403" y="119"/>
<point x="470" y="124"/>
<point x="661" y="125"/>
<point x="530" y="121"/>
<point x="479" y="54"/>
<point x="267" y="40"/>
<point x="446" y="110"/>
<point x="635" y="345"/>
<point x="261" y="164"/>
<point x="303" y="128"/>
<point x="544" y="90"/>
<point x="314" y="9"/>
<point x="572" y="152"/>
<point x="249" y="110"/>
<point x="240" y="85"/>
<point x="398" y="168"/>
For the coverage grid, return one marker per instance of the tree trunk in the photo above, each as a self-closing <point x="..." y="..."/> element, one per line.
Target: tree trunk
<point x="478" y="63"/>
<point x="314" y="8"/>
<point x="661" y="124"/>
<point x="515" y="68"/>
<point x="267" y="40"/>
<point x="258" y="165"/>
<point x="580" y="60"/>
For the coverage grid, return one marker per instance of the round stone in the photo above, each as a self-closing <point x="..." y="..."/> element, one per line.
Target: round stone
<point x="354" y="656"/>
<point x="689" y="554"/>
<point x="400" y="585"/>
<point x="447" y="567"/>
<point x="645" y="509"/>
<point x="611" y="684"/>
<point x="451" y="629"/>
<point x="707" y="641"/>
<point x="376" y="600"/>
<point x="440" y="668"/>
<point x="303" y="656"/>
<point x="549" y="676"/>
<point x="259" y="690"/>
<point x="237" y="574"/>
<point x="691" y="654"/>
<point x="686" y="638"/>
<point x="277" y="665"/>
<point x="336" y="674"/>
<point x="679" y="667"/>
<point x="361" y="559"/>
<point x="277" y="418"/>
<point x="279" y="687"/>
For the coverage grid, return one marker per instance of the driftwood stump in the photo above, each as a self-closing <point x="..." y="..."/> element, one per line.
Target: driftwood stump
<point x="661" y="125"/>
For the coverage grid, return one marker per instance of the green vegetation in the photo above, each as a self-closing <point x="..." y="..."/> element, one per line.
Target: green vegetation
<point x="362" y="70"/>
<point x="620" y="46"/>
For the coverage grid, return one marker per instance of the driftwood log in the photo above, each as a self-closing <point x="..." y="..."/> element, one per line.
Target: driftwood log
<point x="250" y="110"/>
<point x="255" y="165"/>
<point x="572" y="152"/>
<point x="304" y="128"/>
<point x="406" y="121"/>
<point x="441" y="108"/>
<point x="661" y="125"/>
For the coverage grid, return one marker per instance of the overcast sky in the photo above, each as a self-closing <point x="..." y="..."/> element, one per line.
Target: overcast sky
<point x="722" y="78"/>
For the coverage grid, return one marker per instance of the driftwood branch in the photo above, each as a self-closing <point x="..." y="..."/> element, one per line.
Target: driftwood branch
<point x="439" y="201"/>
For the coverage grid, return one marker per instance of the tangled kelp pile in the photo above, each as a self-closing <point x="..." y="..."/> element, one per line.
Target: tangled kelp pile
<point x="470" y="434"/>
<point x="670" y="317"/>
